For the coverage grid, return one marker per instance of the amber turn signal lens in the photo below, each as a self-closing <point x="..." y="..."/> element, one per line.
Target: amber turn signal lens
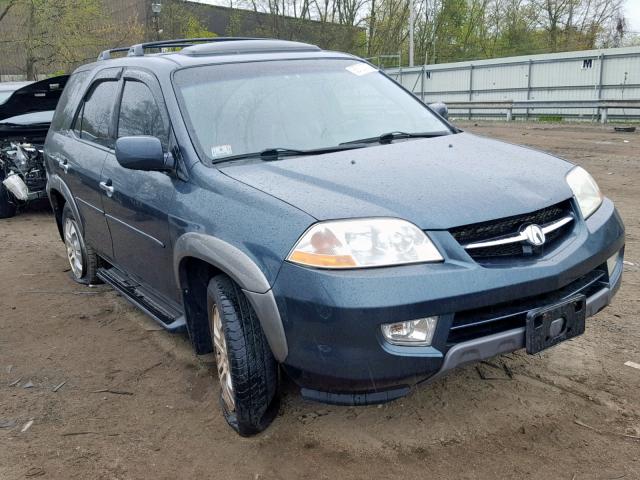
<point x="319" y="260"/>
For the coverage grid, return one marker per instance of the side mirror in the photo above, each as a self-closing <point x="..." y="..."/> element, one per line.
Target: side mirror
<point x="142" y="153"/>
<point x="441" y="109"/>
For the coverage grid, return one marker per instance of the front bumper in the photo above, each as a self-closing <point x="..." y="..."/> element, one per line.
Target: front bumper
<point x="332" y="318"/>
<point x="510" y="340"/>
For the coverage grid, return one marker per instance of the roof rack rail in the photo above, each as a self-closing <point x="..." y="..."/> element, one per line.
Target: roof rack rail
<point x="106" y="54"/>
<point x="138" y="49"/>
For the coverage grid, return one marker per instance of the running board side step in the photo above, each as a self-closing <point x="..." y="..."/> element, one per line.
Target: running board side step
<point x="169" y="316"/>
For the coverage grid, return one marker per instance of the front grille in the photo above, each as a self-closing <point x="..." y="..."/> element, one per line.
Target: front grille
<point x="480" y="322"/>
<point x="479" y="232"/>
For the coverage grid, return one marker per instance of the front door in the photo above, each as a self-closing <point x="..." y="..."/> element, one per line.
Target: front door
<point x="138" y="203"/>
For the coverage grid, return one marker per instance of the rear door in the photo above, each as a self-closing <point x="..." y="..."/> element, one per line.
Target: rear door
<point x="137" y="208"/>
<point x="80" y="157"/>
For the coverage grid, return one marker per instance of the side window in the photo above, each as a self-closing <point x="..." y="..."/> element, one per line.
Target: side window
<point x="140" y="114"/>
<point x="94" y="118"/>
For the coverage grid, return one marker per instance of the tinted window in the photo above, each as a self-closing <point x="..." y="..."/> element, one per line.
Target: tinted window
<point x="140" y="114"/>
<point x="68" y="101"/>
<point x="95" y="117"/>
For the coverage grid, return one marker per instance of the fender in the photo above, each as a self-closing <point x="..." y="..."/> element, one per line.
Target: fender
<point x="54" y="182"/>
<point x="245" y="273"/>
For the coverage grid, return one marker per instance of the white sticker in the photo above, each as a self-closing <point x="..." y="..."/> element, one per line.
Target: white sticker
<point x="221" y="151"/>
<point x="360" y="69"/>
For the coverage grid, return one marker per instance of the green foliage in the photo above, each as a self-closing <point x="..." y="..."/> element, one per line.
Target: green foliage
<point x="455" y="30"/>
<point x="60" y="34"/>
<point x="550" y="118"/>
<point x="181" y="20"/>
<point x="234" y="27"/>
<point x="195" y="29"/>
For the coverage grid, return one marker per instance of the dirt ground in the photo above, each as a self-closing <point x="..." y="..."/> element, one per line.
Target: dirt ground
<point x="138" y="404"/>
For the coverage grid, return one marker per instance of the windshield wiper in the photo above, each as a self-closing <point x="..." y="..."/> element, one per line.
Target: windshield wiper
<point x="269" y="154"/>
<point x="386" y="138"/>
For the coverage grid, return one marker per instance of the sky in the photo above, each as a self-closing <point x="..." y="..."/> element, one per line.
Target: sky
<point x="632" y="13"/>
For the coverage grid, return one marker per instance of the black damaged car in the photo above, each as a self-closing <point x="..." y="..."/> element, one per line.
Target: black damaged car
<point x="26" y="110"/>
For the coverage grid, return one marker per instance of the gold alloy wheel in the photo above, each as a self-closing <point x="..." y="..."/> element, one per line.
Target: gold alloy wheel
<point x="222" y="361"/>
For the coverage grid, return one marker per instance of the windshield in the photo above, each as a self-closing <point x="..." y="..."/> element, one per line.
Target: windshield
<point x="242" y="108"/>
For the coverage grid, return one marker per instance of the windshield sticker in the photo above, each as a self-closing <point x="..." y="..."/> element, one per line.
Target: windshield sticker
<point x="360" y="69"/>
<point x="221" y="151"/>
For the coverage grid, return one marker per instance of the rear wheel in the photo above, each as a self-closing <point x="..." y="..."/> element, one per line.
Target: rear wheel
<point x="82" y="259"/>
<point x="247" y="371"/>
<point x="8" y="204"/>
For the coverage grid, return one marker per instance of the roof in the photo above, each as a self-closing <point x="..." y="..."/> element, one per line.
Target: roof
<point x="209" y="51"/>
<point x="211" y="46"/>
<point x="247" y="46"/>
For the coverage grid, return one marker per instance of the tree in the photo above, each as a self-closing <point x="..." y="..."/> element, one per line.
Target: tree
<point x="60" y="33"/>
<point x="5" y="6"/>
<point x="57" y="35"/>
<point x="180" y="20"/>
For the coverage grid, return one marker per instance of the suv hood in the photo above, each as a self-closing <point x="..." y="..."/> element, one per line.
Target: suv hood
<point x="39" y="96"/>
<point x="26" y="114"/>
<point x="436" y="183"/>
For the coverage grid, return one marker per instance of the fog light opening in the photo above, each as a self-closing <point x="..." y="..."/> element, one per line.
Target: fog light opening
<point x="413" y="332"/>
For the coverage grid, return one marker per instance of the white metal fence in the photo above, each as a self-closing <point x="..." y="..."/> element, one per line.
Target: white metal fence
<point x="586" y="76"/>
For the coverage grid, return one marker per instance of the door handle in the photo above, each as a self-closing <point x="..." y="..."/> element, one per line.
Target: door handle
<point x="63" y="163"/>
<point x="107" y="187"/>
<point x="64" y="166"/>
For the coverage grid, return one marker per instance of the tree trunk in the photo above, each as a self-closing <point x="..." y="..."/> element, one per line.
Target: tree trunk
<point x="372" y="23"/>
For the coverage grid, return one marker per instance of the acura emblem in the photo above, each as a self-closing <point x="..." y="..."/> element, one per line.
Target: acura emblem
<point x="534" y="235"/>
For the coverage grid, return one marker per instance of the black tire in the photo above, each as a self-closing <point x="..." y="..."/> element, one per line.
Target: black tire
<point x="87" y="272"/>
<point x="253" y="370"/>
<point x="8" y="204"/>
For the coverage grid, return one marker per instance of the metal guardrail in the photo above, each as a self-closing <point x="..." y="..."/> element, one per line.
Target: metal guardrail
<point x="601" y="106"/>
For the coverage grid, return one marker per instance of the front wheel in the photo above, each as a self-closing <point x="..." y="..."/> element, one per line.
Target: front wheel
<point x="247" y="371"/>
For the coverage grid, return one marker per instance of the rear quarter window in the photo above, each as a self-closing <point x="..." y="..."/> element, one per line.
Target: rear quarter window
<point x="69" y="101"/>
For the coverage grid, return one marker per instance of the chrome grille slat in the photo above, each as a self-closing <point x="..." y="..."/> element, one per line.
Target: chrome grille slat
<point x="512" y="236"/>
<point x="548" y="228"/>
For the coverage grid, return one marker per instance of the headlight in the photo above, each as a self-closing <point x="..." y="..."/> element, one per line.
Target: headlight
<point x="373" y="242"/>
<point x="585" y="189"/>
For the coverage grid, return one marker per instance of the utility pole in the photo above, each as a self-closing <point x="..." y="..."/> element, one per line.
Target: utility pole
<point x="156" y="9"/>
<point x="412" y="21"/>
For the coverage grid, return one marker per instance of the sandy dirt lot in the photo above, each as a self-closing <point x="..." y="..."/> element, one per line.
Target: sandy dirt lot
<point x="138" y="404"/>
